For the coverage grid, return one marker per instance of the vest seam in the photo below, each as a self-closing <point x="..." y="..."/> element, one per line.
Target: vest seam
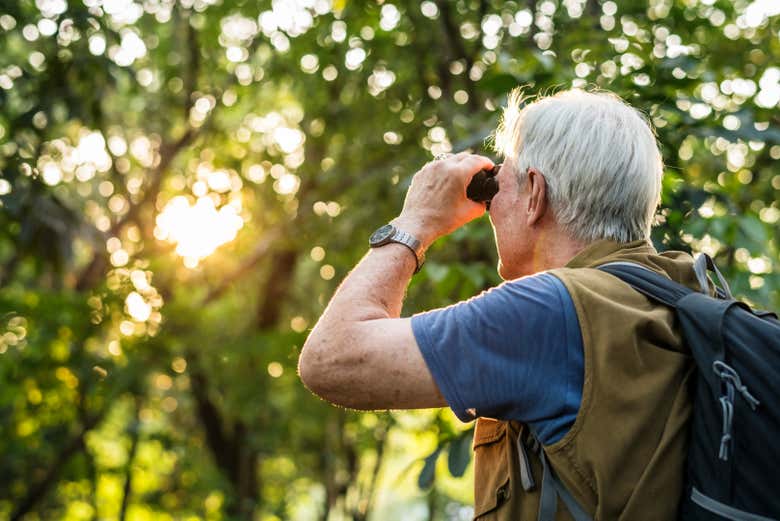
<point x="569" y="455"/>
<point x="587" y="387"/>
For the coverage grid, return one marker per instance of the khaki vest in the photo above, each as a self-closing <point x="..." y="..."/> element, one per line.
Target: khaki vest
<point x="623" y="457"/>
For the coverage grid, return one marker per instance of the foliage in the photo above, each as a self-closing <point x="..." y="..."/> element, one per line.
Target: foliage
<point x="184" y="183"/>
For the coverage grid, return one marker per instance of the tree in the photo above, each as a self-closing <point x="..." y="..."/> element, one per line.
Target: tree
<point x="184" y="183"/>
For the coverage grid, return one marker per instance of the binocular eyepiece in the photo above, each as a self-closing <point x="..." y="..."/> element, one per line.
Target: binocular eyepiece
<point x="483" y="186"/>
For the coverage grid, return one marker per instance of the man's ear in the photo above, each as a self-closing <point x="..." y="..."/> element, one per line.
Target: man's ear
<point x="537" y="199"/>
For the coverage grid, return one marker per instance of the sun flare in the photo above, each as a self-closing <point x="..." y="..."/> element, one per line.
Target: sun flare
<point x="197" y="229"/>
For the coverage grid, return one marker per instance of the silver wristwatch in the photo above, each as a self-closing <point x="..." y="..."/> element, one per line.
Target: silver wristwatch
<point x="389" y="233"/>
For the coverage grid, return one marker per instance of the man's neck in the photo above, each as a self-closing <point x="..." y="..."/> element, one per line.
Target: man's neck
<point x="552" y="249"/>
<point x="557" y="253"/>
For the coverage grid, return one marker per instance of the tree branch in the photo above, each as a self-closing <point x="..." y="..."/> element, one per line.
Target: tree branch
<point x="252" y="260"/>
<point x="216" y="438"/>
<point x="458" y="49"/>
<point x="368" y="495"/>
<point x="276" y="288"/>
<point x="40" y="489"/>
<point x="135" y="433"/>
<point x="168" y="153"/>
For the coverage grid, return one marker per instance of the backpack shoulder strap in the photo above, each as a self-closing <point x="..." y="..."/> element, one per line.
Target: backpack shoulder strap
<point x="552" y="489"/>
<point x="701" y="266"/>
<point x="649" y="283"/>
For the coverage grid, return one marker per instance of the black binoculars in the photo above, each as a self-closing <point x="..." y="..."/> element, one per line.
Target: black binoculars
<point x="483" y="186"/>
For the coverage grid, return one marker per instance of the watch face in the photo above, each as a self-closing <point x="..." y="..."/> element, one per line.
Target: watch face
<point x="381" y="235"/>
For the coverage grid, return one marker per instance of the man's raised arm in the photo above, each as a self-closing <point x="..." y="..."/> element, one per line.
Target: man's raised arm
<point x="361" y="354"/>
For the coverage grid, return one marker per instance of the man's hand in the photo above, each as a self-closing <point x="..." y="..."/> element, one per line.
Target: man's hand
<point x="436" y="202"/>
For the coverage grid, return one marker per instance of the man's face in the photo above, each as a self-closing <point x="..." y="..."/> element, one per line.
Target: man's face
<point x="508" y="216"/>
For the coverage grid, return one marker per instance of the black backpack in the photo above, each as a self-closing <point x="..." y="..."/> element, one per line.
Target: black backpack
<point x="733" y="468"/>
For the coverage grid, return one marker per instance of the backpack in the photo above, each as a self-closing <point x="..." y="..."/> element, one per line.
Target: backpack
<point x="733" y="467"/>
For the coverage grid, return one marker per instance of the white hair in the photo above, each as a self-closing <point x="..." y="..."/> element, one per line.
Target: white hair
<point x="598" y="155"/>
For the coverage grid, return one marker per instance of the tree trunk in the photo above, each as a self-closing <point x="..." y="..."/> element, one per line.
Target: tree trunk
<point x="39" y="490"/>
<point x="282" y="267"/>
<point x="128" y="486"/>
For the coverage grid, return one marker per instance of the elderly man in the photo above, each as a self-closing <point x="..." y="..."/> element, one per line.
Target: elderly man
<point x="561" y="356"/>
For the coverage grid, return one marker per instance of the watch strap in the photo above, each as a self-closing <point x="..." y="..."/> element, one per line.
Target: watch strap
<point x="412" y="243"/>
<point x="395" y="234"/>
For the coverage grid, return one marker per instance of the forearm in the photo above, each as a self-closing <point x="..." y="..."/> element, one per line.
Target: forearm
<point x="349" y="346"/>
<point x="376" y="286"/>
<point x="374" y="289"/>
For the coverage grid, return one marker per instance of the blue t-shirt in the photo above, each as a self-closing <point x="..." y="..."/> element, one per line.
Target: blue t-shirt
<point x="513" y="352"/>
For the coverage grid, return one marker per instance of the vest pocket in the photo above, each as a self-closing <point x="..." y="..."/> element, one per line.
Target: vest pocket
<point x="491" y="468"/>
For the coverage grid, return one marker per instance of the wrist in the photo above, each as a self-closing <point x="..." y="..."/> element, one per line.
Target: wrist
<point x="416" y="228"/>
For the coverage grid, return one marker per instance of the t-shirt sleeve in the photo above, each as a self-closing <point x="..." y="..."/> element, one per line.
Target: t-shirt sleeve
<point x="513" y="352"/>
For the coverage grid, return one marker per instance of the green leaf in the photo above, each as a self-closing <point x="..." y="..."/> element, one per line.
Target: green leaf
<point x="435" y="271"/>
<point x="428" y="471"/>
<point x="460" y="454"/>
<point x="752" y="227"/>
<point x="498" y="83"/>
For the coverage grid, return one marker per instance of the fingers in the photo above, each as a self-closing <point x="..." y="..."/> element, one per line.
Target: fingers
<point x="446" y="156"/>
<point x="462" y="156"/>
<point x="463" y="165"/>
<point x="476" y="161"/>
<point x="469" y="164"/>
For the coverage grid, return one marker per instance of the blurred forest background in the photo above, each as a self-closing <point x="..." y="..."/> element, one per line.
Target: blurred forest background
<point x="184" y="182"/>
